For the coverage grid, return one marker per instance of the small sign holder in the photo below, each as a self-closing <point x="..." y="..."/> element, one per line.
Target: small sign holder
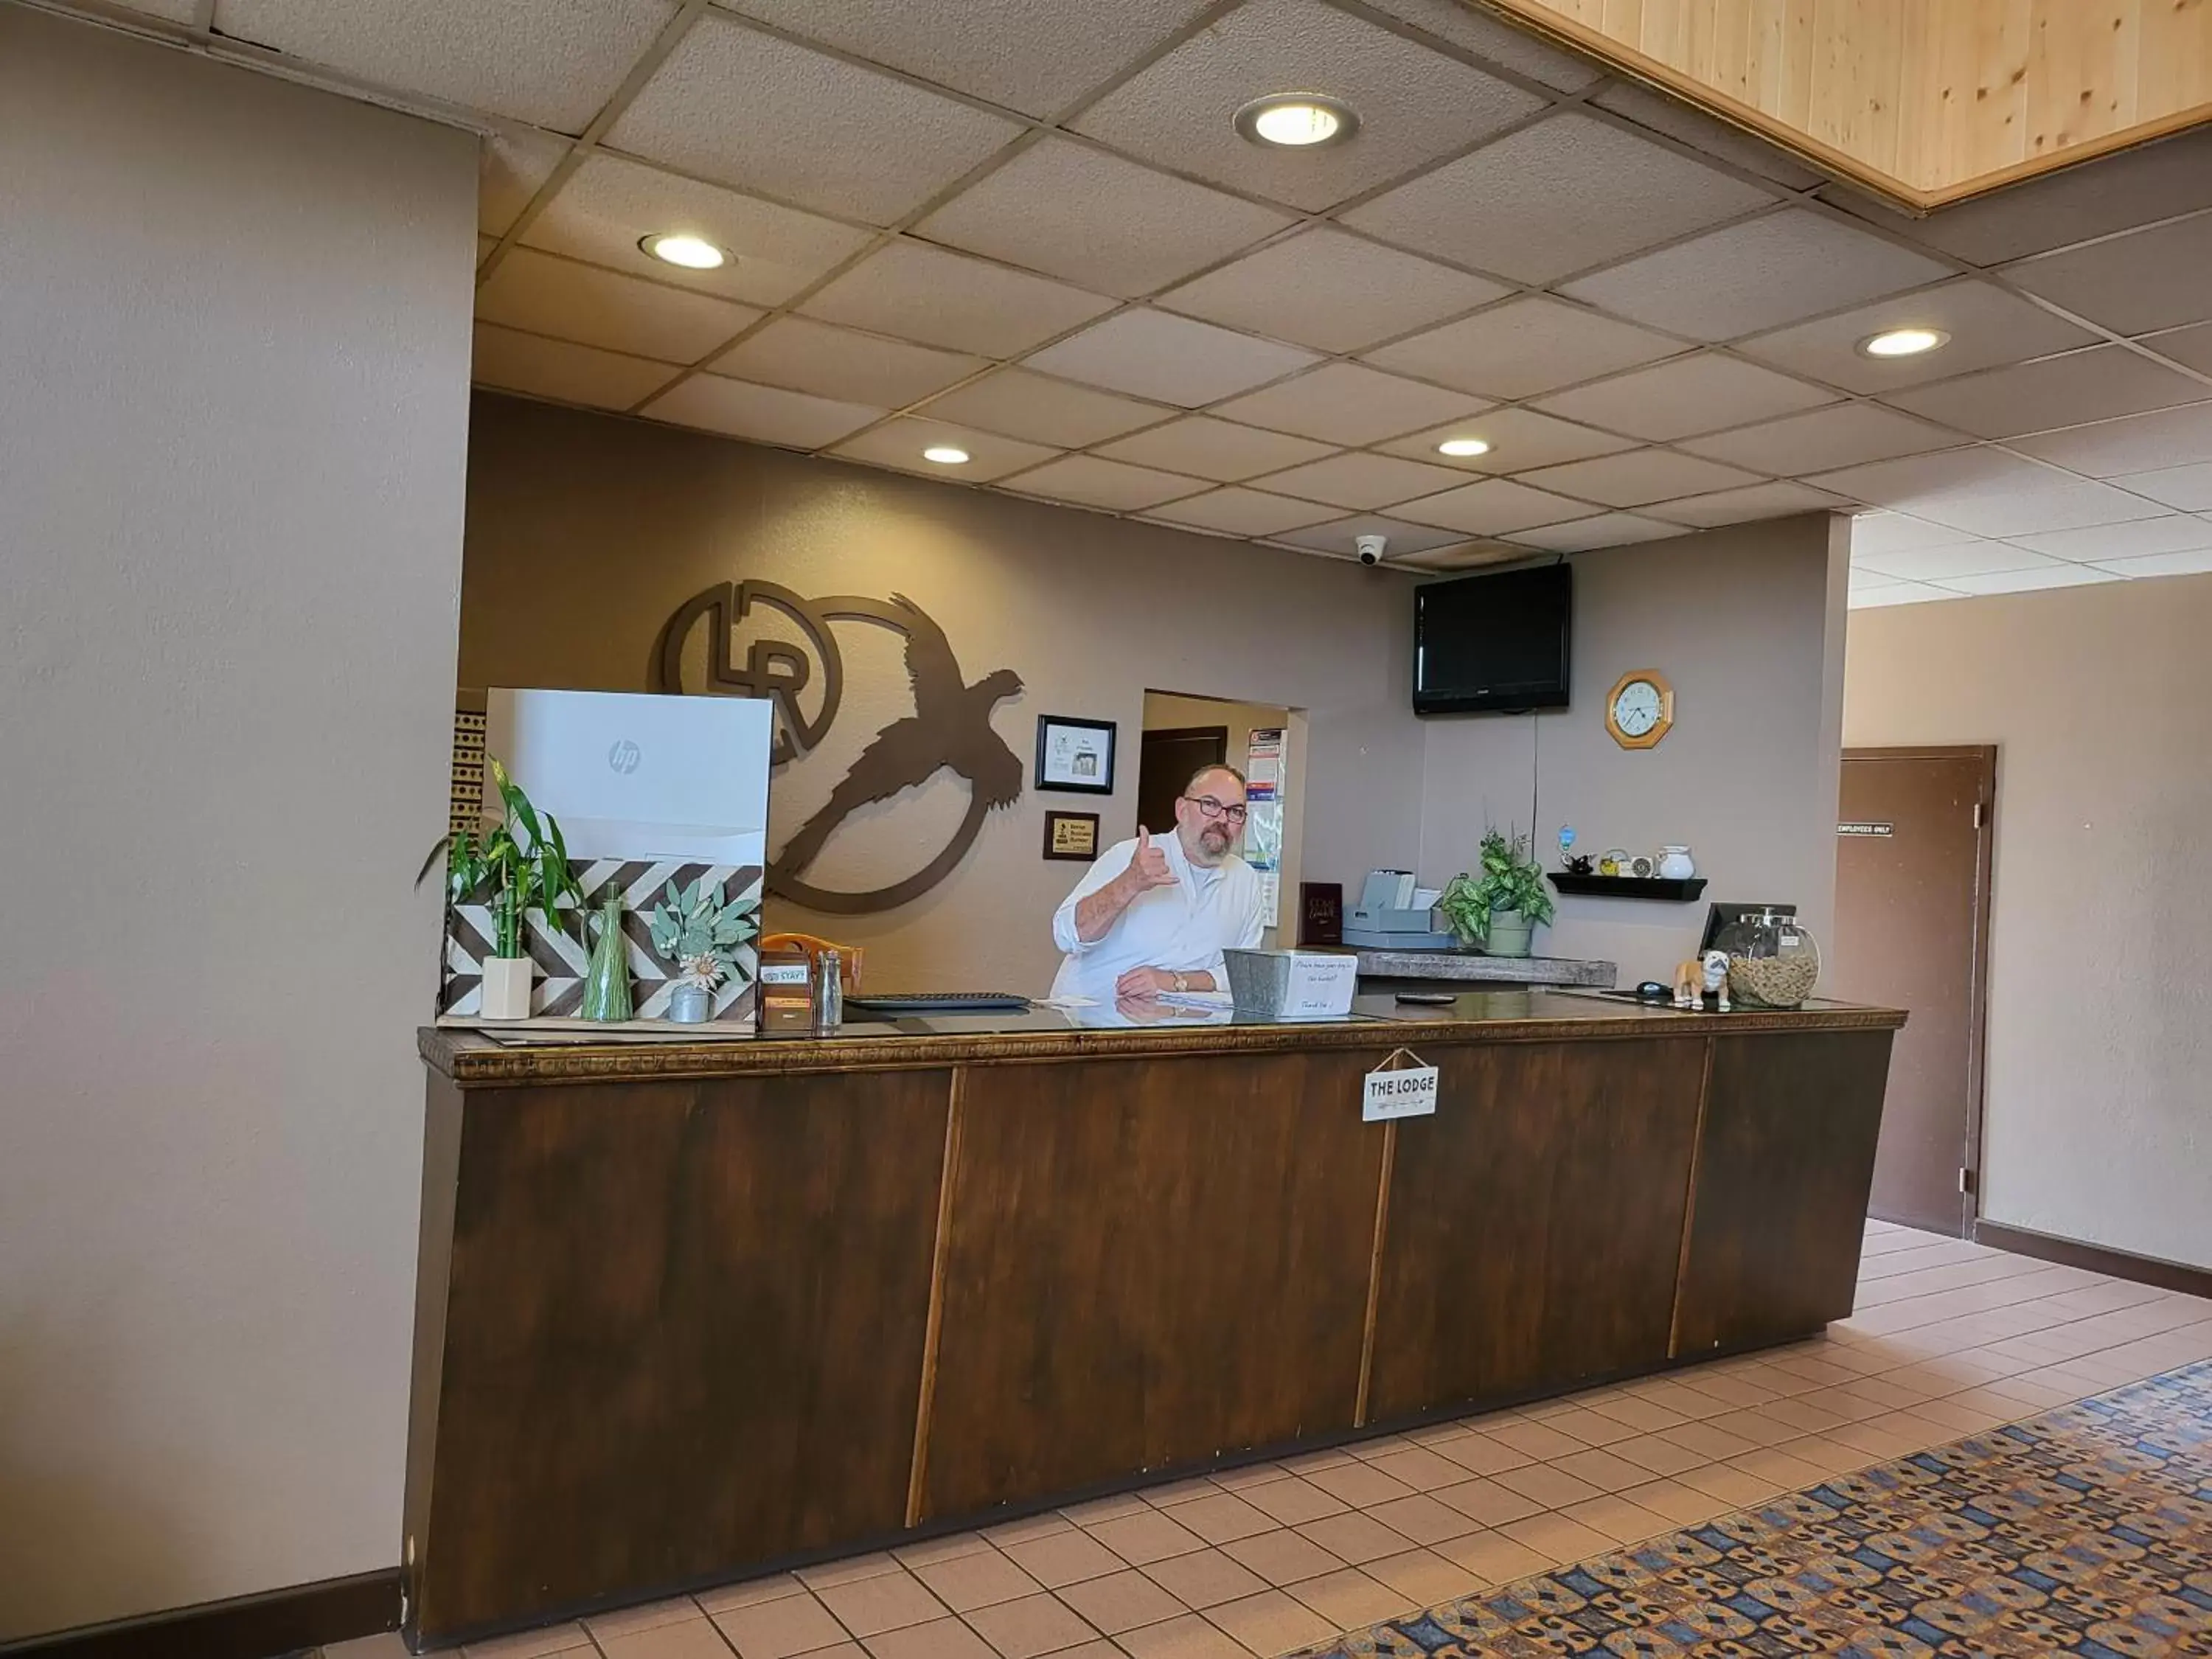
<point x="1403" y="1086"/>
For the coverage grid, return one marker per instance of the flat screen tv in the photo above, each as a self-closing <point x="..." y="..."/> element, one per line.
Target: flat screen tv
<point x="1493" y="644"/>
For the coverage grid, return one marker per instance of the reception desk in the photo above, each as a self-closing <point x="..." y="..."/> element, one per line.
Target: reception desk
<point x="691" y="1309"/>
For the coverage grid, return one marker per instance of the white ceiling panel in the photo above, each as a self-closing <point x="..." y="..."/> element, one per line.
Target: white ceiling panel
<point x="604" y="211"/>
<point x="2190" y="347"/>
<point x="898" y="444"/>
<point x="1987" y="325"/>
<point x="1686" y="396"/>
<point x="2189" y="488"/>
<point x="546" y="294"/>
<point x="1348" y="403"/>
<point x="1524" y="347"/>
<point x="2029" y="581"/>
<point x="1889" y="593"/>
<point x="1495" y="506"/>
<point x="2093" y="384"/>
<point x="1985" y="492"/>
<point x="1335" y="292"/>
<point x="1499" y="42"/>
<point x="1640" y="477"/>
<point x="1339" y="536"/>
<point x="1751" y="277"/>
<point x="1087" y="481"/>
<point x="1174" y="359"/>
<point x="1097" y="220"/>
<point x="572" y="374"/>
<point x="1415" y="104"/>
<point x="1605" y="530"/>
<point x="1745" y="506"/>
<point x="1500" y="209"/>
<point x="743" y="108"/>
<point x="762" y="414"/>
<point x="2194" y="562"/>
<point x="1360" y="481"/>
<point x="175" y="11"/>
<point x="2149" y="279"/>
<point x="2138" y="443"/>
<point x="920" y="292"/>
<point x="2180" y="533"/>
<point x="841" y="364"/>
<point x="1676" y="118"/>
<point x="1035" y="56"/>
<point x="1519" y="439"/>
<point x="511" y="165"/>
<point x="1863" y="579"/>
<point x="1023" y="405"/>
<point x="1235" y="511"/>
<point x="1826" y="438"/>
<point x="1208" y="448"/>
<point x="551" y="63"/>
<point x="1874" y="533"/>
<point x="1945" y="564"/>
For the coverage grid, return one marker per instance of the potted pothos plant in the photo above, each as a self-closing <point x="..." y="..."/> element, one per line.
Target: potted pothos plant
<point x="525" y="860"/>
<point x="693" y="929"/>
<point x="1499" y="910"/>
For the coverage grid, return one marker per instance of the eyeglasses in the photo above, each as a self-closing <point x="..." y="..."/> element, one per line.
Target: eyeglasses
<point x="1210" y="808"/>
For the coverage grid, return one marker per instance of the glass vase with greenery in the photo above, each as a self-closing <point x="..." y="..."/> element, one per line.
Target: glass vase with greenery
<point x="1511" y="883"/>
<point x="523" y="858"/>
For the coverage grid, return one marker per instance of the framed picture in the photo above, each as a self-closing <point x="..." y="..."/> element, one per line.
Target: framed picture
<point x="1071" y="835"/>
<point x="1074" y="755"/>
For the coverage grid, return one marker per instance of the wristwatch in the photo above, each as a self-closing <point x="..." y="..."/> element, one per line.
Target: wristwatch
<point x="1183" y="983"/>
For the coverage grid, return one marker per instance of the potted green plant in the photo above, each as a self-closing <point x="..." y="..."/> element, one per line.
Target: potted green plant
<point x="525" y="860"/>
<point x="693" y="929"/>
<point x="1499" y="910"/>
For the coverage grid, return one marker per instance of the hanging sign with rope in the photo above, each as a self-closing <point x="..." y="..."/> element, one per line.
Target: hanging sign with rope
<point x="1401" y="1086"/>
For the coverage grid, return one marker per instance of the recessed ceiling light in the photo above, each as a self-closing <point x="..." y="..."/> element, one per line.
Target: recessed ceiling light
<point x="1297" y="120"/>
<point x="1464" y="446"/>
<point x="1902" y="341"/>
<point x="680" y="248"/>
<point x="945" y="455"/>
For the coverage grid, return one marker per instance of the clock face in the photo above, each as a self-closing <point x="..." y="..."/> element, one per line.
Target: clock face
<point x="1636" y="709"/>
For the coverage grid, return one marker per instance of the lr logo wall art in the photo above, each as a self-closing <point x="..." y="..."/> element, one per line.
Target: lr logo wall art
<point x="949" y="728"/>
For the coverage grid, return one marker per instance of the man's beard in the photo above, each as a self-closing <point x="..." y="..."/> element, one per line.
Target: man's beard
<point x="1215" y="843"/>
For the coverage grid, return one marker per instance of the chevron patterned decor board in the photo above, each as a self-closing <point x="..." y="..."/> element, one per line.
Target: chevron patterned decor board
<point x="562" y="957"/>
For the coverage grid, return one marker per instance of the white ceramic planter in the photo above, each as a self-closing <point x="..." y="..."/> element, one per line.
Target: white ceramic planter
<point x="506" y="988"/>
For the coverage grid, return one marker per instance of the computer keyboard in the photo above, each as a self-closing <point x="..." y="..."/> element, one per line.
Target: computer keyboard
<point x="899" y="1004"/>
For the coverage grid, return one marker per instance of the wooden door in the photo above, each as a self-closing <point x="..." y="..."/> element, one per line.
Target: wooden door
<point x="1912" y="906"/>
<point x="1165" y="761"/>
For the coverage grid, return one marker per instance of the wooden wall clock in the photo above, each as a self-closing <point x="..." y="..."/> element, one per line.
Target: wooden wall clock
<point x="1640" y="708"/>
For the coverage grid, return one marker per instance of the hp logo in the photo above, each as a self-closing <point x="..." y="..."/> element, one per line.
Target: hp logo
<point x="624" y="756"/>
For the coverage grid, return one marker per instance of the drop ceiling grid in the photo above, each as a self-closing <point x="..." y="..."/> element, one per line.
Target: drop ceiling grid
<point x="569" y="152"/>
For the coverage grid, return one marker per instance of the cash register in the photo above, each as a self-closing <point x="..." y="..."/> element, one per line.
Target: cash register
<point x="1395" y="914"/>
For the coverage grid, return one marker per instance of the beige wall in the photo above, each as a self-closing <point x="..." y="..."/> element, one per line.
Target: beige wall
<point x="1164" y="711"/>
<point x="2098" y="1111"/>
<point x="1745" y="623"/>
<point x="234" y="319"/>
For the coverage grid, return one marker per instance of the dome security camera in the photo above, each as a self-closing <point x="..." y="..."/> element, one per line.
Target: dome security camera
<point x="1371" y="547"/>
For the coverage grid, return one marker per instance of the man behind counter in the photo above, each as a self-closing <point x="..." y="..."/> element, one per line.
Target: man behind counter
<point x="1155" y="915"/>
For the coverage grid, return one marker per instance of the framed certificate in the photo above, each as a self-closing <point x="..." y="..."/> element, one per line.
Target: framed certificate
<point x="1071" y="835"/>
<point x="1076" y="756"/>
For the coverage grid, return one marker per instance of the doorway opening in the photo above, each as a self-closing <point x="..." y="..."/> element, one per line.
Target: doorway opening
<point x="1264" y="741"/>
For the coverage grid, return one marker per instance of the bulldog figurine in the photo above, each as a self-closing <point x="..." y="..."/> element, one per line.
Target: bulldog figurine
<point x="1700" y="977"/>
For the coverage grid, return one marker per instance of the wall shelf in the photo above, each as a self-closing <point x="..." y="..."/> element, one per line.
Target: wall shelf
<point x="1637" y="887"/>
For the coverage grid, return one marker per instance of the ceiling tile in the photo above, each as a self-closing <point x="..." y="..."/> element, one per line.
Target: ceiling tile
<point x="1207" y="448"/>
<point x="1331" y="291"/>
<point x="1891" y="593"/>
<point x="1824" y="439"/>
<point x="1745" y="506"/>
<point x="1678" y="119"/>
<point x="610" y="204"/>
<point x="1415" y="104"/>
<point x="2190" y="347"/>
<point x="1495" y="506"/>
<point x="2136" y="443"/>
<point x="1346" y="403"/>
<point x="1863" y="579"/>
<point x="1987" y="325"/>
<point x="1023" y="405"/>
<point x="1090" y="482"/>
<point x="2068" y="389"/>
<point x="2179" y="532"/>
<point x="1151" y="353"/>
<point x="1339" y="536"/>
<point x="546" y="294"/>
<point x="1750" y="277"/>
<point x="743" y="108"/>
<point x="919" y="292"/>
<point x="801" y="355"/>
<point x="1985" y="492"/>
<point x="1640" y="477"/>
<point x="551" y="63"/>
<point x="1035" y="56"/>
<point x="1688" y="395"/>
<point x="1496" y="40"/>
<point x="1519" y="439"/>
<point x="1524" y="347"/>
<point x="1098" y="220"/>
<point x="1605" y="530"/>
<point x="556" y="368"/>
<point x="1500" y="209"/>
<point x="898" y="444"/>
<point x="1467" y="556"/>
<point x="1235" y="511"/>
<point x="511" y="163"/>
<point x="2191" y="561"/>
<point x="1360" y="480"/>
<point x="2148" y="279"/>
<point x="1875" y="533"/>
<point x="176" y="11"/>
<point x="2028" y="581"/>
<point x="765" y="414"/>
<point x="2189" y="488"/>
<point x="1943" y="564"/>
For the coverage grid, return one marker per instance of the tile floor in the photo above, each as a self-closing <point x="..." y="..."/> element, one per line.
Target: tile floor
<point x="1948" y="1337"/>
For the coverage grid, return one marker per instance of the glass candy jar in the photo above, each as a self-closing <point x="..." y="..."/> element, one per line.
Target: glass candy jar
<point x="1773" y="960"/>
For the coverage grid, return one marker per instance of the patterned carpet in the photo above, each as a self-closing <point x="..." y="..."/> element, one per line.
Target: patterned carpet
<point x="2085" y="1532"/>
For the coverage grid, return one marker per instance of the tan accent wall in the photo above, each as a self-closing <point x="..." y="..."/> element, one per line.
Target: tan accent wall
<point x="235" y="322"/>
<point x="2100" y="1070"/>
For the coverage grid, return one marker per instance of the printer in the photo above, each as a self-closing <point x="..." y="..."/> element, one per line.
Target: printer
<point x="1394" y="914"/>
